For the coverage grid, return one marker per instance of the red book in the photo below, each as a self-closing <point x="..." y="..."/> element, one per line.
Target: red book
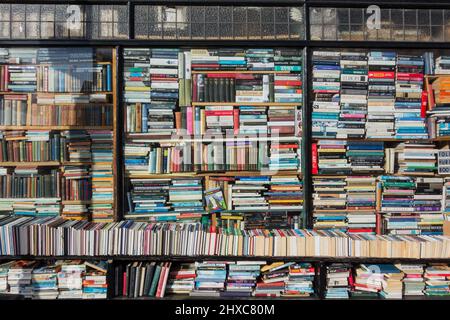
<point x="423" y="109"/>
<point x="288" y="83"/>
<point x="221" y="75"/>
<point x="124" y="289"/>
<point x="218" y="113"/>
<point x="236" y="121"/>
<point x="194" y="87"/>
<point x="381" y="74"/>
<point x="378" y="223"/>
<point x="284" y="146"/>
<point x="161" y="280"/>
<point x="315" y="164"/>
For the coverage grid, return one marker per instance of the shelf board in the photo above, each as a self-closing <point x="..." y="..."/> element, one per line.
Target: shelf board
<point x="231" y="258"/>
<point x="241" y="71"/>
<point x="109" y="104"/>
<point x="213" y="173"/>
<point x="188" y="297"/>
<point x="56" y="127"/>
<point x="252" y="104"/>
<point x="30" y="164"/>
<point x="209" y="138"/>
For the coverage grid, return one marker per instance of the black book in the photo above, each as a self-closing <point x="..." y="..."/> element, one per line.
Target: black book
<point x="216" y="91"/>
<point x="137" y="284"/>
<point x="222" y="90"/>
<point x="201" y="88"/>
<point x="131" y="281"/>
<point x="128" y="280"/>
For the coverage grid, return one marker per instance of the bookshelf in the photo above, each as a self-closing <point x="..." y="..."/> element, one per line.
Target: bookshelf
<point x="176" y="101"/>
<point x="244" y="92"/>
<point x="58" y="106"/>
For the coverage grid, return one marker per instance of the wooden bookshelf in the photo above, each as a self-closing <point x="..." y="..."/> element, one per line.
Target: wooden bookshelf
<point x="33" y="96"/>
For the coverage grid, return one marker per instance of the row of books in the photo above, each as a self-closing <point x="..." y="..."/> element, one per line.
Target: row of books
<point x="58" y="236"/>
<point x="248" y="87"/>
<point x="374" y="95"/>
<point x="44" y="145"/>
<point x="353" y="157"/>
<point x="226" y="59"/>
<point x="187" y="199"/>
<point x="242" y="120"/>
<point x="63" y="279"/>
<point x="388" y="281"/>
<point x="215" y="279"/>
<point x="217" y="156"/>
<point x="407" y="205"/>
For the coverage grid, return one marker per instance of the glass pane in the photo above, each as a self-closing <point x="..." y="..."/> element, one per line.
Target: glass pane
<point x="329" y="32"/>
<point x="226" y="31"/>
<point x="315" y="16"/>
<point x="18" y="12"/>
<point x="357" y="32"/>
<point x="5" y="12"/>
<point x="437" y="33"/>
<point x="33" y="30"/>
<point x="198" y="31"/>
<point x="254" y="15"/>
<point x="240" y="30"/>
<point x="282" y="31"/>
<point x="356" y="16"/>
<point x="316" y="32"/>
<point x="141" y="30"/>
<point x="18" y="30"/>
<point x="226" y="14"/>
<point x="212" y="31"/>
<point x="281" y="15"/>
<point x="343" y="33"/>
<point x="141" y="14"/>
<point x="4" y="30"/>
<point x="211" y="14"/>
<point x="437" y="17"/>
<point x="47" y="30"/>
<point x="183" y="31"/>
<point x="267" y="14"/>
<point x="32" y="12"/>
<point x="424" y="33"/>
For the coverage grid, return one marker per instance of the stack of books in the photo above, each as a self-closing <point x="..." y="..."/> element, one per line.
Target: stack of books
<point x="148" y="198"/>
<point x="392" y="282"/>
<point x="409" y="124"/>
<point x="330" y="203"/>
<point x="19" y="278"/>
<point x="78" y="145"/>
<point x="438" y="91"/>
<point x="338" y="281"/>
<point x="285" y="193"/>
<point x="428" y="204"/>
<point x="219" y="119"/>
<point x="281" y="120"/>
<point x="4" y="267"/>
<point x="247" y="193"/>
<point x="288" y="87"/>
<point x="95" y="285"/>
<point x="186" y="198"/>
<point x="241" y="278"/>
<point x="70" y="279"/>
<point x="252" y="120"/>
<point x="397" y="205"/>
<point x="273" y="279"/>
<point x="332" y="157"/>
<point x="368" y="281"/>
<point x="353" y="95"/>
<point x="44" y="282"/>
<point x="361" y="204"/>
<point x="442" y="65"/>
<point x="260" y="59"/>
<point x="365" y="156"/>
<point x="326" y="89"/>
<point x="416" y="159"/>
<point x="284" y="156"/>
<point x="182" y="279"/>
<point x="211" y="277"/>
<point x="381" y="95"/>
<point x="437" y="280"/>
<point x="102" y="176"/>
<point x="413" y="281"/>
<point x="137" y="75"/>
<point x="300" y="281"/>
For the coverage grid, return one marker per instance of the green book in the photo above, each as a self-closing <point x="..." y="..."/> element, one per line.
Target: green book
<point x="155" y="281"/>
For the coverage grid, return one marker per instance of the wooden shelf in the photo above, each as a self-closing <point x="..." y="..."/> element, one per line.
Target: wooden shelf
<point x="213" y="173"/>
<point x="30" y="164"/>
<point x="243" y="71"/>
<point x="76" y="104"/>
<point x="56" y="127"/>
<point x="252" y="104"/>
<point x="210" y="138"/>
